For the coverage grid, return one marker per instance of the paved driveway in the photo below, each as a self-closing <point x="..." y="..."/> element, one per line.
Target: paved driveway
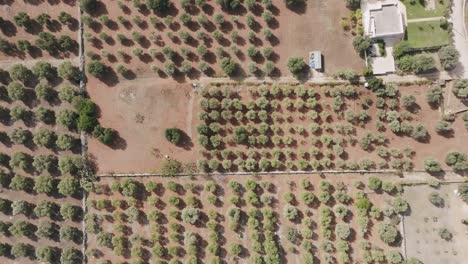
<point x="460" y="38"/>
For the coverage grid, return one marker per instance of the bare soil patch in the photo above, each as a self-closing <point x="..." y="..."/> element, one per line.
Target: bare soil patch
<point x="140" y="111"/>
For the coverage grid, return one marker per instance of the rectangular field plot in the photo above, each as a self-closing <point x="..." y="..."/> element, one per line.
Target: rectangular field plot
<point x="267" y="219"/>
<point x="426" y="220"/>
<point x="304" y="127"/>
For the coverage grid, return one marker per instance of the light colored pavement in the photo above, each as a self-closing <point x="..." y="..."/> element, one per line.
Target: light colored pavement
<point x="460" y="38"/>
<point x="424" y="19"/>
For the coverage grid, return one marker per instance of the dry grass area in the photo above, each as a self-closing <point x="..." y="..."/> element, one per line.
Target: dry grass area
<point x="422" y="226"/>
<point x="142" y="219"/>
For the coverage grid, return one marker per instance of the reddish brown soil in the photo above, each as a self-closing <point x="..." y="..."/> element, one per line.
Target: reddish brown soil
<point x="313" y="27"/>
<point x="142" y="145"/>
<point x="280" y="186"/>
<point x="14" y="33"/>
<point x="436" y="145"/>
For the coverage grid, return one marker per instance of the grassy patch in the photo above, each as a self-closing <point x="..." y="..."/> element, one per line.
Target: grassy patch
<point x="418" y="9"/>
<point x="427" y="34"/>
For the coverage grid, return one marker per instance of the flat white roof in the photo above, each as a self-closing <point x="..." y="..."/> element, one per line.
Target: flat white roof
<point x="386" y="20"/>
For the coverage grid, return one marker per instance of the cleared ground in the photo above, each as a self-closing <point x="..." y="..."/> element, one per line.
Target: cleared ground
<point x="425" y="219"/>
<point x="140" y="111"/>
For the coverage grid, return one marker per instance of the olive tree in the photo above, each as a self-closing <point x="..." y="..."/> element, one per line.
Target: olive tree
<point x="66" y="142"/>
<point x="44" y="184"/>
<point x="44" y="162"/>
<point x="68" y="186"/>
<point x="296" y="66"/>
<point x="44" y="70"/>
<point x="16" y="91"/>
<point x="388" y="233"/>
<point x="44" y="91"/>
<point x="68" y="71"/>
<point x="44" y="137"/>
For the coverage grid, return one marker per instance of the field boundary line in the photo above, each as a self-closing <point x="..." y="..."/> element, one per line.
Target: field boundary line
<point x="244" y="173"/>
<point x="149" y="174"/>
<point x="402" y="226"/>
<point x="83" y="135"/>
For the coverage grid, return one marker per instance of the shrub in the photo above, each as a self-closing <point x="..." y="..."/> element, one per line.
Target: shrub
<point x="400" y="49"/>
<point x="361" y="43"/>
<point x="423" y="63"/>
<point x="374" y="183"/>
<point x="460" y="88"/>
<point x="400" y="205"/>
<point x="97" y="68"/>
<point x="394" y="257"/>
<point x="444" y="233"/>
<point x="434" y="95"/>
<point x="456" y="160"/>
<point x="171" y="167"/>
<point x="296" y="66"/>
<point x="104" y="135"/>
<point x="190" y="215"/>
<point x="173" y="135"/>
<point x="435" y="199"/>
<point x="448" y="57"/>
<point x="463" y="191"/>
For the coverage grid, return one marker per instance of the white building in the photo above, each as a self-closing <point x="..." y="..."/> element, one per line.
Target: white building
<point x="384" y="20"/>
